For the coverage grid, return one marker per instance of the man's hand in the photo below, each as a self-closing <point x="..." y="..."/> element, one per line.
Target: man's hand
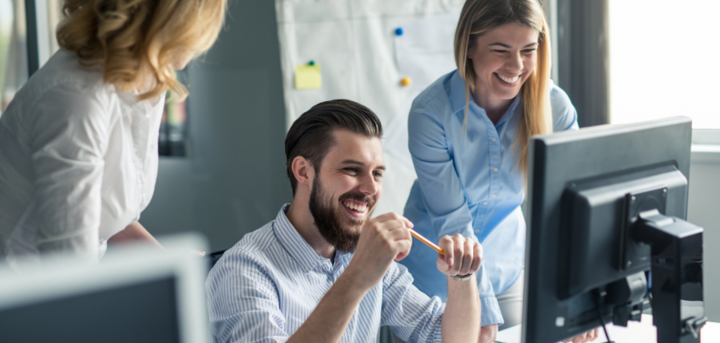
<point x="383" y="239"/>
<point x="461" y="320"/>
<point x="463" y="256"/>
<point x="586" y="337"/>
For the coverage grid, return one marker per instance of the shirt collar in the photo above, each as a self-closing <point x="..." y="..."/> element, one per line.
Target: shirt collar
<point x="457" y="98"/>
<point x="298" y="248"/>
<point x="457" y="92"/>
<point x="510" y="111"/>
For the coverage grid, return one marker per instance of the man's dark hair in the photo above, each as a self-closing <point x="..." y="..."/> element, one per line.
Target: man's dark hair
<point x="311" y="136"/>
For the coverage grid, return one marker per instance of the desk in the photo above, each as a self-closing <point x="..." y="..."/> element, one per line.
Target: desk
<point x="635" y="332"/>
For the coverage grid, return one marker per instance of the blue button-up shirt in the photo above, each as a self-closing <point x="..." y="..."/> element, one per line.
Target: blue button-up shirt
<point x="265" y="287"/>
<point x="470" y="184"/>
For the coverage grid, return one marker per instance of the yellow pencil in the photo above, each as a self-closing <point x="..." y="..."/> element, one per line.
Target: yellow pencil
<point x="426" y="241"/>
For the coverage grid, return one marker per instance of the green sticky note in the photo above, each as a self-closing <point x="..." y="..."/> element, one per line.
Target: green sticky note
<point x="308" y="76"/>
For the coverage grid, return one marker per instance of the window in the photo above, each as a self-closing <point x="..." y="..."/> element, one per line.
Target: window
<point x="16" y="62"/>
<point x="13" y="50"/>
<point x="663" y="61"/>
<point x="14" y="58"/>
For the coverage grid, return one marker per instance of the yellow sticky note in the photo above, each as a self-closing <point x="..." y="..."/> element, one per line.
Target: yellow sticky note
<point x="308" y="76"/>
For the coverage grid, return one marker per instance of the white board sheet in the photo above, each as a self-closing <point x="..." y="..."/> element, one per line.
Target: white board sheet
<point x="363" y="60"/>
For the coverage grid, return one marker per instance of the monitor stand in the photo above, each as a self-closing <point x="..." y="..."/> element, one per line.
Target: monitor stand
<point x="677" y="275"/>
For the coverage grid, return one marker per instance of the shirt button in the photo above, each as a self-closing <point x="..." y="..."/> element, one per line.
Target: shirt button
<point x="494" y="195"/>
<point x="139" y="165"/>
<point x="495" y="169"/>
<point x="477" y="230"/>
<point x="484" y="202"/>
<point x="494" y="139"/>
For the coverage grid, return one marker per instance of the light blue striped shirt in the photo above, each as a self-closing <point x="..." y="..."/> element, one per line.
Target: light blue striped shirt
<point x="470" y="184"/>
<point x="266" y="286"/>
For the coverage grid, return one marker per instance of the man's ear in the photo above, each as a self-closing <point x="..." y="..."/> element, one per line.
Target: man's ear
<point x="302" y="170"/>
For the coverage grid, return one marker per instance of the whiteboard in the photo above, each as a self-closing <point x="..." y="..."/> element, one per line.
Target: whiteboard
<point x="364" y="59"/>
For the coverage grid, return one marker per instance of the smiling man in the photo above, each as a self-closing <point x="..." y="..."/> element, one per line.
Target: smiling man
<point x="323" y="270"/>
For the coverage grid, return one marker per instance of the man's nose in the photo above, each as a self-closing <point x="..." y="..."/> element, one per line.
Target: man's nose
<point x="368" y="185"/>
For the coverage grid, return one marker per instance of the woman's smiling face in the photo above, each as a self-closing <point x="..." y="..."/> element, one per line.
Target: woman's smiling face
<point x="503" y="59"/>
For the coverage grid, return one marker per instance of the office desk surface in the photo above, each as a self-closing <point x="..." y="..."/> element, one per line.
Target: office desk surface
<point x="636" y="332"/>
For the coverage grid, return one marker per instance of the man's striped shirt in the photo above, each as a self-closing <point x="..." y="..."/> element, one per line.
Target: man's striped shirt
<point x="265" y="287"/>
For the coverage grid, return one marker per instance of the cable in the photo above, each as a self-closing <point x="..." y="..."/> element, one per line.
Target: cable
<point x="607" y="337"/>
<point x="597" y="308"/>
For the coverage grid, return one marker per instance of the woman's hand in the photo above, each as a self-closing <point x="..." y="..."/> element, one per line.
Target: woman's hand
<point x="586" y="337"/>
<point x="488" y="333"/>
<point x="133" y="233"/>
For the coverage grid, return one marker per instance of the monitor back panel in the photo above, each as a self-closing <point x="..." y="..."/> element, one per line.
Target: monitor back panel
<point x="557" y="161"/>
<point x="135" y="313"/>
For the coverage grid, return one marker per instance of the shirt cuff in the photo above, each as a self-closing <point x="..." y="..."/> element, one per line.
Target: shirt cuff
<point x="490" y="312"/>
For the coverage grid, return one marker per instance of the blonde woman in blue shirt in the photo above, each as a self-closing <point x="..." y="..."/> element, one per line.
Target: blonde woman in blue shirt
<point x="468" y="137"/>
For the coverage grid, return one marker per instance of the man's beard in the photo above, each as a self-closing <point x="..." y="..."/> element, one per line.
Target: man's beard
<point x="330" y="222"/>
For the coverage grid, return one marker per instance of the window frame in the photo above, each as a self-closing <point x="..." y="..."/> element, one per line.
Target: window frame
<point x="38" y="34"/>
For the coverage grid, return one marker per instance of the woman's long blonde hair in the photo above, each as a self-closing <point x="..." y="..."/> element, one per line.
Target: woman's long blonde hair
<point x="137" y="41"/>
<point x="479" y="17"/>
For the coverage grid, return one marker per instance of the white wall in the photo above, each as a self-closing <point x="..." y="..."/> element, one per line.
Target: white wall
<point x="704" y="210"/>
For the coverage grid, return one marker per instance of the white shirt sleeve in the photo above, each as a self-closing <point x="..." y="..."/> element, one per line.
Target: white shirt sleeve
<point x="69" y="141"/>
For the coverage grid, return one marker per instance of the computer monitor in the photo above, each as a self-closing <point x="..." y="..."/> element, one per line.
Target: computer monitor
<point x="593" y="194"/>
<point x="133" y="295"/>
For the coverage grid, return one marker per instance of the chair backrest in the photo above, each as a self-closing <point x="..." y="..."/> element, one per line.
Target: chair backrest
<point x="214" y="257"/>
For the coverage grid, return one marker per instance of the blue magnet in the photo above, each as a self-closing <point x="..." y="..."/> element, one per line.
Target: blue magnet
<point x="311" y="63"/>
<point x="399" y="31"/>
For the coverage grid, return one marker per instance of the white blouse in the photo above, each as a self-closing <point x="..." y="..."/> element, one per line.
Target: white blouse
<point x="78" y="161"/>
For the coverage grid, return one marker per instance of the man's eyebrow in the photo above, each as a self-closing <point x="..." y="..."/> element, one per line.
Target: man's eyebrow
<point x="356" y="162"/>
<point x="508" y="47"/>
<point x="352" y="162"/>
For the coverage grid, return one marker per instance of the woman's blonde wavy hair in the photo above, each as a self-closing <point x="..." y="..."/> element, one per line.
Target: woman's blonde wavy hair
<point x="137" y="41"/>
<point x="480" y="16"/>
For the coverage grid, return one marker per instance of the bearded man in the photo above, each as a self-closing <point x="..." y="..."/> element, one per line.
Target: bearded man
<point x="323" y="270"/>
